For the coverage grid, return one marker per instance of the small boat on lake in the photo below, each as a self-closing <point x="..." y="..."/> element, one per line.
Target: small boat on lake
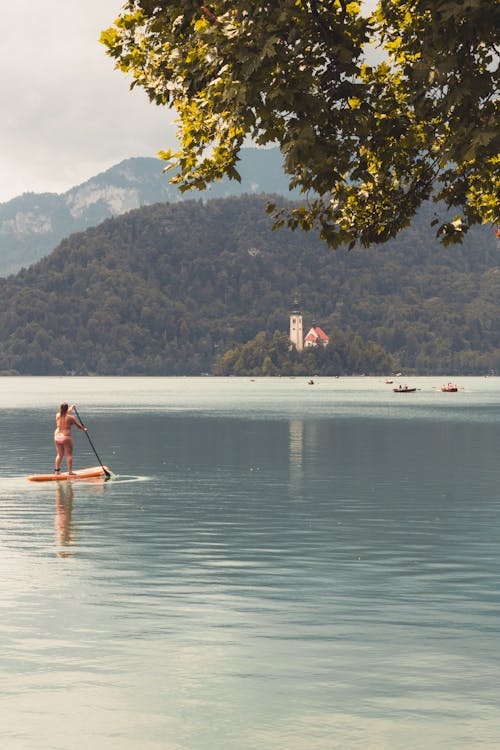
<point x="449" y="388"/>
<point x="404" y="389"/>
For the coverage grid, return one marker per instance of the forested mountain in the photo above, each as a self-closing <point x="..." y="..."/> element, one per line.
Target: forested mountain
<point x="166" y="289"/>
<point x="32" y="224"/>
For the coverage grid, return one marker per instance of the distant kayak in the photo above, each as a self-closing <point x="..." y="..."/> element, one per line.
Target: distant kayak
<point x="404" y="390"/>
<point x="92" y="473"/>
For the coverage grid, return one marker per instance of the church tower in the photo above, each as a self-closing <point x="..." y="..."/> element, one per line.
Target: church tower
<point x="296" y="333"/>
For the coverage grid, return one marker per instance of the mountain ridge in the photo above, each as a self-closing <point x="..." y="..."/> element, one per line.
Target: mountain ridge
<point x="33" y="224"/>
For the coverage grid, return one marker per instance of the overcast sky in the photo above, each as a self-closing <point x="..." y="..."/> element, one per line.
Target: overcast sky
<point x="66" y="113"/>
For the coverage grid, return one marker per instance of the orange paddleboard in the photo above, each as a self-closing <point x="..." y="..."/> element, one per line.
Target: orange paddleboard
<point x="94" y="471"/>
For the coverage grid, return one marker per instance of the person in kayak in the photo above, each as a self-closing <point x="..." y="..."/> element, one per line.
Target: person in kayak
<point x="62" y="436"/>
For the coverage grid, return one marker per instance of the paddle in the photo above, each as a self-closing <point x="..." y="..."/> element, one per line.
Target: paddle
<point x="108" y="475"/>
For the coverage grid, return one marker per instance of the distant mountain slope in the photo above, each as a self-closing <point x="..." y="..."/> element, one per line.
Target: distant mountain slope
<point x="33" y="224"/>
<point x="163" y="289"/>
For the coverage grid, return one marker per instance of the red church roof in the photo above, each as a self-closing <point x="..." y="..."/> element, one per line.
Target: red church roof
<point x="317" y="334"/>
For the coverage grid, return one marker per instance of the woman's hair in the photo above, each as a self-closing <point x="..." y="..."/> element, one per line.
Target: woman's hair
<point x="63" y="409"/>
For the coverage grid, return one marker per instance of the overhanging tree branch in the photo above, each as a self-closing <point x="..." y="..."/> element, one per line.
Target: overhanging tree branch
<point x="370" y="141"/>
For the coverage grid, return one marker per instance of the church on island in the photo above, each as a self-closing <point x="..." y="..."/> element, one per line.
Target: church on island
<point x="315" y="337"/>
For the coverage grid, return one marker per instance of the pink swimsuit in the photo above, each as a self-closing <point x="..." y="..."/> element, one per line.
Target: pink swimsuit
<point x="61" y="437"/>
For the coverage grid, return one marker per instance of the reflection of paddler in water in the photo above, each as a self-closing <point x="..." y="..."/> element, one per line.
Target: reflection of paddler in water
<point x="65" y="529"/>
<point x="62" y="436"/>
<point x="64" y="507"/>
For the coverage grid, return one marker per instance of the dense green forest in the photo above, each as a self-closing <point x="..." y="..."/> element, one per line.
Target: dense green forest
<point x="170" y="289"/>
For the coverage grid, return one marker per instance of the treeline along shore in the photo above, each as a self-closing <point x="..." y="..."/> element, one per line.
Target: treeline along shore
<point x="170" y="289"/>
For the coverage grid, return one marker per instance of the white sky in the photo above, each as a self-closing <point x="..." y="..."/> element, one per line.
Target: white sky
<point x="66" y="113"/>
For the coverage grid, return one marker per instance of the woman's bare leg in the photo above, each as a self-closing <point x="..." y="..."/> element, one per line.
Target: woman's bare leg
<point x="59" y="455"/>
<point x="68" y="446"/>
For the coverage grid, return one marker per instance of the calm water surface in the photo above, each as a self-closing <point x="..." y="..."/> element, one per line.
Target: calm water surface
<point x="275" y="566"/>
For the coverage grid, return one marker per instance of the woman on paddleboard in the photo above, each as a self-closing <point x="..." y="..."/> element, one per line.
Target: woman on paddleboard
<point x="62" y="436"/>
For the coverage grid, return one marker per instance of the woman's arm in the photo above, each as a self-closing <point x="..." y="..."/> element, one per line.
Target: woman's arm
<point x="76" y="423"/>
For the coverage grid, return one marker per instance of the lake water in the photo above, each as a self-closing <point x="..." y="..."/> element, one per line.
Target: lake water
<point x="275" y="566"/>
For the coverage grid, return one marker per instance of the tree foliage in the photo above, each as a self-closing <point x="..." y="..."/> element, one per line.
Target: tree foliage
<point x="366" y="143"/>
